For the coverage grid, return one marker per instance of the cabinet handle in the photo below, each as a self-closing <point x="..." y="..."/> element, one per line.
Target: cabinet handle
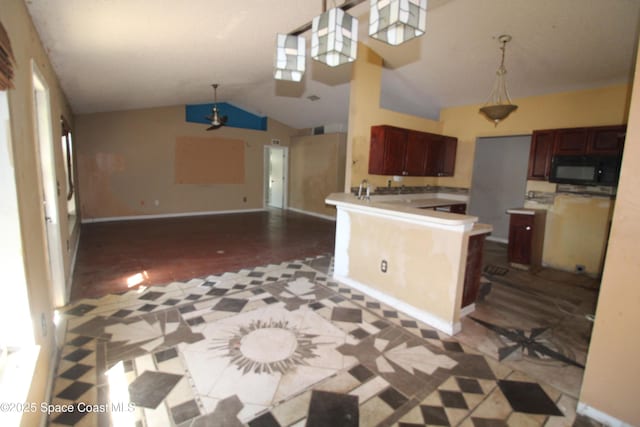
<point x="528" y="227"/>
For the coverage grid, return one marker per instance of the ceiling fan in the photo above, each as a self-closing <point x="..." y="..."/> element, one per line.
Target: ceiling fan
<point x="216" y="120"/>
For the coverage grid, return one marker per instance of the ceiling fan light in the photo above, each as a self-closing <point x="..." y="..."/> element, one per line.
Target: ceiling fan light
<point x="397" y="21"/>
<point x="334" y="37"/>
<point x="290" y="57"/>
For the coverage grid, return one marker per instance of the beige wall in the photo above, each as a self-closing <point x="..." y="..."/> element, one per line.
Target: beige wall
<point x="423" y="262"/>
<point x="612" y="376"/>
<point x="26" y="46"/>
<point x="365" y="111"/>
<point x="316" y="169"/>
<point x="126" y="163"/>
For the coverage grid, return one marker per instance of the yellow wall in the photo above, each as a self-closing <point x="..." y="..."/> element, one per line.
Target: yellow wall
<point x="26" y="46"/>
<point x="364" y="112"/>
<point x="126" y="163"/>
<point x="594" y="107"/>
<point x="611" y="381"/>
<point x="316" y="169"/>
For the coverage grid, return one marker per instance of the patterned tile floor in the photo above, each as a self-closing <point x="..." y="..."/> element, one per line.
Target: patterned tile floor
<point x="280" y="345"/>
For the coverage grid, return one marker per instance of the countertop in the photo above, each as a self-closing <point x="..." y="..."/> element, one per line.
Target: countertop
<point x="407" y="207"/>
<point x="525" y="211"/>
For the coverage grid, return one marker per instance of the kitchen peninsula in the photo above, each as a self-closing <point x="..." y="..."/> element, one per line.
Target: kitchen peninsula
<point x="401" y="251"/>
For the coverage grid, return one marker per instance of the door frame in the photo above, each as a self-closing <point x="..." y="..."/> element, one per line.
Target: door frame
<point x="48" y="185"/>
<point x="266" y="168"/>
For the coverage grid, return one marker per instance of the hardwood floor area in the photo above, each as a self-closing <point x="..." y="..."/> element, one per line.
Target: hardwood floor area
<point x="113" y="254"/>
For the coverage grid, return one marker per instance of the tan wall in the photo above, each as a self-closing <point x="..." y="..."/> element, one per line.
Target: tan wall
<point x="577" y="229"/>
<point x="611" y="381"/>
<point x="316" y="169"/>
<point x="365" y="111"/>
<point x="126" y="163"/>
<point x="26" y="46"/>
<point x="422" y="262"/>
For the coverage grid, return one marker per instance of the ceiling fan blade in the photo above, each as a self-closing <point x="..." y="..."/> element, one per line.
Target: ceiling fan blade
<point x="214" y="127"/>
<point x="223" y="119"/>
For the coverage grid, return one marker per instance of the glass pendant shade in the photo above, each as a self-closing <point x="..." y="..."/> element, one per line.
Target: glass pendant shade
<point x="397" y="21"/>
<point x="334" y="37"/>
<point x="290" y="57"/>
<point x="499" y="105"/>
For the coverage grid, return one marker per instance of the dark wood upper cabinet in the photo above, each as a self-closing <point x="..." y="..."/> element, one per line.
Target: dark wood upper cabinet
<point x="540" y="155"/>
<point x="607" y="140"/>
<point x="416" y="154"/>
<point x="600" y="140"/>
<point x="397" y="151"/>
<point x="571" y="141"/>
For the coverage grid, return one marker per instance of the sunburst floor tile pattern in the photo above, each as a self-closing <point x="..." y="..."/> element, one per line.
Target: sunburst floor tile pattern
<point x="280" y="345"/>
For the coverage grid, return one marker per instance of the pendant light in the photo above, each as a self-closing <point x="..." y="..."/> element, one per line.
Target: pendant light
<point x="334" y="37"/>
<point x="290" y="57"/>
<point x="499" y="104"/>
<point x="397" y="21"/>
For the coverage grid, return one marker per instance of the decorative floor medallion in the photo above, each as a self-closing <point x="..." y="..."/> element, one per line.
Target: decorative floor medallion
<point x="268" y="347"/>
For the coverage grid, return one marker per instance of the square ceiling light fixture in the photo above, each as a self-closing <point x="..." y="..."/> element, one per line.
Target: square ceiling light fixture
<point x="290" y="57"/>
<point x="397" y="21"/>
<point x="334" y="37"/>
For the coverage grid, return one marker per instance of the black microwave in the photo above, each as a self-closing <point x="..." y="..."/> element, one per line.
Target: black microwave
<point x="585" y="170"/>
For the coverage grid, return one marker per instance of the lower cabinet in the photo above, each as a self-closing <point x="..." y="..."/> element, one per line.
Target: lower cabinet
<point x="526" y="237"/>
<point x="474" y="269"/>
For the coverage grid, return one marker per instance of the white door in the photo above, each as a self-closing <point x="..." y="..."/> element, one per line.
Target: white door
<point x="50" y="188"/>
<point x="277" y="177"/>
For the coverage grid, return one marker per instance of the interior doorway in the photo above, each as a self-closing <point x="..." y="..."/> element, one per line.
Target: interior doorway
<point x="50" y="187"/>
<point x="276" y="176"/>
<point x="499" y="181"/>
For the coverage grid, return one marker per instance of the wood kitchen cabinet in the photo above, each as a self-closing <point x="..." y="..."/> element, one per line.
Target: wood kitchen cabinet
<point x="540" y="155"/>
<point x="526" y="237"/>
<point x="405" y="152"/>
<point x="600" y="140"/>
<point x="473" y="272"/>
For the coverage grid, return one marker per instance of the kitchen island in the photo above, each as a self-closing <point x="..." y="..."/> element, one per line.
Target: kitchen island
<point x="400" y="251"/>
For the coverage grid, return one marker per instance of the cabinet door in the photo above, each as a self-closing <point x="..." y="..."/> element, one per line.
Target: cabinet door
<point x="571" y="141"/>
<point x="473" y="271"/>
<point x="448" y="156"/>
<point x="520" y="238"/>
<point x="540" y="155"/>
<point x="387" y="150"/>
<point x="416" y="153"/>
<point x="607" y="140"/>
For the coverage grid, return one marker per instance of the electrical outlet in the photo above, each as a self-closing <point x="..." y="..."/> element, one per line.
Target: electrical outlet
<point x="383" y="266"/>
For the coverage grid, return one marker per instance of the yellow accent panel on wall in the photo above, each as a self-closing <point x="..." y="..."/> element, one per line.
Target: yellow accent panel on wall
<point x="209" y="160"/>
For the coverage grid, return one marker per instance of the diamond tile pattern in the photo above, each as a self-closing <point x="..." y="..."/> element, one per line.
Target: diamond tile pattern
<point x="390" y="369"/>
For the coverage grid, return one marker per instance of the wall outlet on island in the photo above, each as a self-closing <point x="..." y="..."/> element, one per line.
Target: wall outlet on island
<point x="383" y="266"/>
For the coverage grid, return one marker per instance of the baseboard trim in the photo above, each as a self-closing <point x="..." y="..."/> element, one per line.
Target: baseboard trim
<point x="464" y="311"/>
<point x="301" y="211"/>
<point x="428" y="318"/>
<point x="602" y="417"/>
<point x="497" y="239"/>
<point x="176" y="215"/>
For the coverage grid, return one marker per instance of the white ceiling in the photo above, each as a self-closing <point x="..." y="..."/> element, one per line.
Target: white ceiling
<point x="127" y="54"/>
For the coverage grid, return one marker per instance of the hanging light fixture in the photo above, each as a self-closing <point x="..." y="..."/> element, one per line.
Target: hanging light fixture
<point x="217" y="121"/>
<point x="499" y="104"/>
<point x="397" y="21"/>
<point x="334" y="37"/>
<point x="290" y="57"/>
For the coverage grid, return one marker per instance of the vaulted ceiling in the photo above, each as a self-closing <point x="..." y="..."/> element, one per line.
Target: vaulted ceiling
<point x="127" y="54"/>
